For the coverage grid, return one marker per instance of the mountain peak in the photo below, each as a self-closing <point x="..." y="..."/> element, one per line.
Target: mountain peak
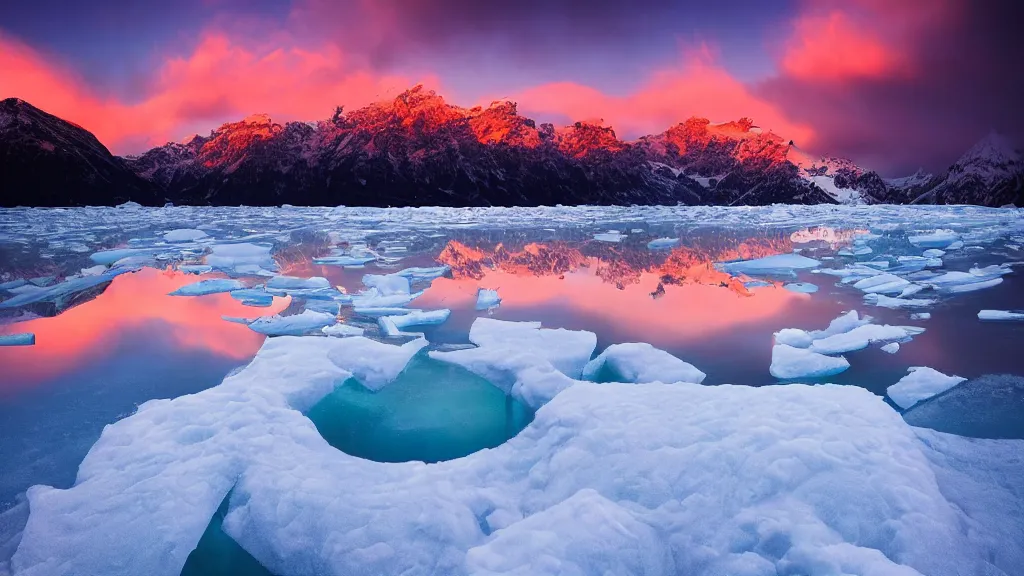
<point x="991" y="158"/>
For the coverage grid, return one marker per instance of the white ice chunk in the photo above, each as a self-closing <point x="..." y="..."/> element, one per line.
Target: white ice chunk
<point x="20" y="339"/>
<point x="487" y="299"/>
<point x="662" y="243"/>
<point x="109" y="257"/>
<point x="933" y="253"/>
<point x="883" y="283"/>
<point x="419" y="274"/>
<point x="789" y="362"/>
<point x="801" y="287"/>
<point x="921" y="316"/>
<point x="956" y="282"/>
<point x="347" y="261"/>
<point x="505" y="348"/>
<point x="397" y="325"/>
<point x="384" y="311"/>
<point x="638" y="362"/>
<point x="93" y="270"/>
<point x="891" y="347"/>
<point x="195" y="268"/>
<point x="941" y="238"/>
<point x="294" y="325"/>
<point x="894" y="303"/>
<point x="794" y="337"/>
<point x="375" y="364"/>
<point x="841" y="324"/>
<point x="609" y="236"/>
<point x="861" y="336"/>
<point x="342" y="330"/>
<point x="211" y="286"/>
<point x="387" y="284"/>
<point x="1000" y="315"/>
<point x="372" y="298"/>
<point x="184" y="235"/>
<point x="778" y="264"/>
<point x="243" y="258"/>
<point x="920" y="383"/>
<point x="296" y="283"/>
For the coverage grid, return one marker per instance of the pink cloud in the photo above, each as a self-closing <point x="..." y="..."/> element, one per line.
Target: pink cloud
<point x="697" y="87"/>
<point x="834" y="46"/>
<point x="220" y="80"/>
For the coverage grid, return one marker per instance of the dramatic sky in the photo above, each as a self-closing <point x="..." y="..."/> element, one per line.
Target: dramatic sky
<point x="893" y="84"/>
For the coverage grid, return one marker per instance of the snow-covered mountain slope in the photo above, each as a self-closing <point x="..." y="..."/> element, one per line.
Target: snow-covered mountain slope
<point x="990" y="173"/>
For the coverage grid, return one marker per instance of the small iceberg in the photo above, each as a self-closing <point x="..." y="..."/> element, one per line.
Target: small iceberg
<point x="896" y="303"/>
<point x="195" y="268"/>
<point x="637" y="362"/>
<point x="933" y="253"/>
<point x="921" y="316"/>
<point x="861" y="336"/>
<point x="1000" y="315"/>
<point x="342" y="330"/>
<point x="294" y="325"/>
<point x="387" y="284"/>
<point x="801" y="287"/>
<point x="420" y="274"/>
<point x="242" y="258"/>
<point x="93" y="270"/>
<point x="609" y="236"/>
<point x="883" y="283"/>
<point x="919" y="384"/>
<point x="937" y="239"/>
<point x="348" y="261"/>
<point x="662" y="243"/>
<point x="211" y="286"/>
<point x="253" y="297"/>
<point x="778" y="264"/>
<point x="21" y="339"/>
<point x="396" y="325"/>
<point x="789" y="362"/>
<point x="184" y="235"/>
<point x="296" y="283"/>
<point x="487" y="299"/>
<point x="891" y="348"/>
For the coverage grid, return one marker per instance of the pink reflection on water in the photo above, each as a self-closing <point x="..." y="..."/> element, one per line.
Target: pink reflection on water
<point x="68" y="340"/>
<point x="687" y="312"/>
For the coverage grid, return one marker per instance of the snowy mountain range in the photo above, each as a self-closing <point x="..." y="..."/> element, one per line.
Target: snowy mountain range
<point x="419" y="150"/>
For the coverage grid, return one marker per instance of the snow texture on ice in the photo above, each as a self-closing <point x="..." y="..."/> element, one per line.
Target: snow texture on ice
<point x="654" y="479"/>
<point x="920" y="383"/>
<point x="640" y="362"/>
<point x="295" y="325"/>
<point x="1000" y="315"/>
<point x="789" y="362"/>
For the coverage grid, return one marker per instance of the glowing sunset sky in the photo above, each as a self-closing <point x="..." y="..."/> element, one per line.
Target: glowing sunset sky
<point x="893" y="84"/>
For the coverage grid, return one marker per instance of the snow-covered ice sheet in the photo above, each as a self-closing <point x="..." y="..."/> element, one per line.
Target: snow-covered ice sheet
<point x="657" y="479"/>
<point x="640" y="362"/>
<point x="919" y="384"/>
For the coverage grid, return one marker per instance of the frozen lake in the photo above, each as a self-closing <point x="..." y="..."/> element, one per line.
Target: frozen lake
<point x="391" y="403"/>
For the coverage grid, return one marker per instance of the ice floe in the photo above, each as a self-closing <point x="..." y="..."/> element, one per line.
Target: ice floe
<point x="921" y="316"/>
<point x="342" y="330"/>
<point x="861" y="336"/>
<point x="891" y="348"/>
<point x="253" y="297"/>
<point x="662" y="243"/>
<point x="920" y="383"/>
<point x="397" y="325"/>
<point x="609" y="236"/>
<point x="18" y="339"/>
<point x="789" y="362"/>
<point x="243" y="258"/>
<point x="941" y="238"/>
<point x="897" y="302"/>
<point x="801" y="287"/>
<point x="295" y="325"/>
<point x="210" y="286"/>
<point x="882" y="284"/>
<point x="387" y="284"/>
<point x="286" y="283"/>
<point x="1000" y="315"/>
<point x="778" y="264"/>
<point x="195" y="268"/>
<point x="487" y="299"/>
<point x="640" y="362"/>
<point x="184" y="235"/>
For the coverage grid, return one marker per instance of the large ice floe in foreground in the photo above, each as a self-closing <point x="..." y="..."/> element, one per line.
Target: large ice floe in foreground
<point x="919" y="384"/>
<point x="637" y="478"/>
